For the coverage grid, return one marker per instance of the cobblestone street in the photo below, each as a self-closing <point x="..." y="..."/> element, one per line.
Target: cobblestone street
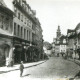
<point x="55" y="67"/>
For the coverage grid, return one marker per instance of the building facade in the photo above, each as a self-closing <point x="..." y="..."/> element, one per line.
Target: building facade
<point x="63" y="44"/>
<point x="57" y="41"/>
<point x="23" y="36"/>
<point x="71" y="42"/>
<point x="6" y="29"/>
<point x="60" y="43"/>
<point x="27" y="30"/>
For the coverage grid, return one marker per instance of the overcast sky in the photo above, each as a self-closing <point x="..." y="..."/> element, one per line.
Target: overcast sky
<point x="51" y="13"/>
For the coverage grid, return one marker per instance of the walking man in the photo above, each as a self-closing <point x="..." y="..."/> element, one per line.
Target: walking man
<point x="21" y="68"/>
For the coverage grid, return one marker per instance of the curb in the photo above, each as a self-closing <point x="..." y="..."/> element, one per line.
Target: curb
<point x="24" y="67"/>
<point x="76" y="62"/>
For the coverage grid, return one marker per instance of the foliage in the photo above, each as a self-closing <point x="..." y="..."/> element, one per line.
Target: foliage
<point x="47" y="45"/>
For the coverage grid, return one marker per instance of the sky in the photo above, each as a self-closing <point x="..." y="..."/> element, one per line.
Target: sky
<point x="51" y="13"/>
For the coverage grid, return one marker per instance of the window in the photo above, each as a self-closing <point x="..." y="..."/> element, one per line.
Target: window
<point x="14" y="28"/>
<point x="19" y="1"/>
<point x="21" y="32"/>
<point x="15" y="11"/>
<point x="22" y="18"/>
<point x="33" y="26"/>
<point x="26" y="8"/>
<point x="23" y="5"/>
<point x="6" y="23"/>
<point x="2" y="23"/>
<point x="57" y="42"/>
<point x="29" y="23"/>
<point x="18" y="15"/>
<point x="18" y="30"/>
<point x="24" y="33"/>
<point x="27" y="34"/>
<point x="25" y="20"/>
<point x="64" y="41"/>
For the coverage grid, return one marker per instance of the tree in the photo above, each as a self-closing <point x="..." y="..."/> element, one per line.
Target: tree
<point x="47" y="45"/>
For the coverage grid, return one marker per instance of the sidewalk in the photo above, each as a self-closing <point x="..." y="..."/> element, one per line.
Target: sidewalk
<point x="16" y="67"/>
<point x="76" y="61"/>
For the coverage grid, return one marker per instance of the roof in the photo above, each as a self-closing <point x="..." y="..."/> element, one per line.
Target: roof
<point x="69" y="30"/>
<point x="9" y="4"/>
<point x="63" y="37"/>
<point x="6" y="10"/>
<point x="3" y="3"/>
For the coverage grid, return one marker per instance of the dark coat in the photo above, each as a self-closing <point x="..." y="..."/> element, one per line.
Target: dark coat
<point x="21" y="67"/>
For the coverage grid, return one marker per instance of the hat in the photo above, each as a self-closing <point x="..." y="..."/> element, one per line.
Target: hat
<point x="21" y="61"/>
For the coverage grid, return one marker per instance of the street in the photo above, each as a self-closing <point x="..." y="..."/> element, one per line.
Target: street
<point x="55" y="67"/>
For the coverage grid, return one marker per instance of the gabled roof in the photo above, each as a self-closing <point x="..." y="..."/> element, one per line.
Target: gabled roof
<point x="63" y="36"/>
<point x="70" y="30"/>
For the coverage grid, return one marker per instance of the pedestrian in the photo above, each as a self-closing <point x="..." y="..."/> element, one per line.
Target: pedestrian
<point x="21" y="68"/>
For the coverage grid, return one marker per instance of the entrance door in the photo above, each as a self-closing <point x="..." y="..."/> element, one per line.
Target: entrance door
<point x="17" y="54"/>
<point x="4" y="54"/>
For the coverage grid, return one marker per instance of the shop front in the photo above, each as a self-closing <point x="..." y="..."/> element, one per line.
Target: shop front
<point x="20" y="47"/>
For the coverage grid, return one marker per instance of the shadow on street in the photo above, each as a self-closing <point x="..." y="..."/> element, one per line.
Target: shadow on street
<point x="26" y="75"/>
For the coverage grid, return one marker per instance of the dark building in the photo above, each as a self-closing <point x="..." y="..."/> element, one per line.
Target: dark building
<point x="6" y="29"/>
<point x="21" y="33"/>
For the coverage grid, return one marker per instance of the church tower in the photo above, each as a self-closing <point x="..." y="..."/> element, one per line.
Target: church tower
<point x="58" y="33"/>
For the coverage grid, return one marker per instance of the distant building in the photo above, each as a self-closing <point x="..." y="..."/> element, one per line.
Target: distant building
<point x="53" y="45"/>
<point x="63" y="44"/>
<point x="57" y="41"/>
<point x="77" y="41"/>
<point x="58" y="33"/>
<point x="60" y="42"/>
